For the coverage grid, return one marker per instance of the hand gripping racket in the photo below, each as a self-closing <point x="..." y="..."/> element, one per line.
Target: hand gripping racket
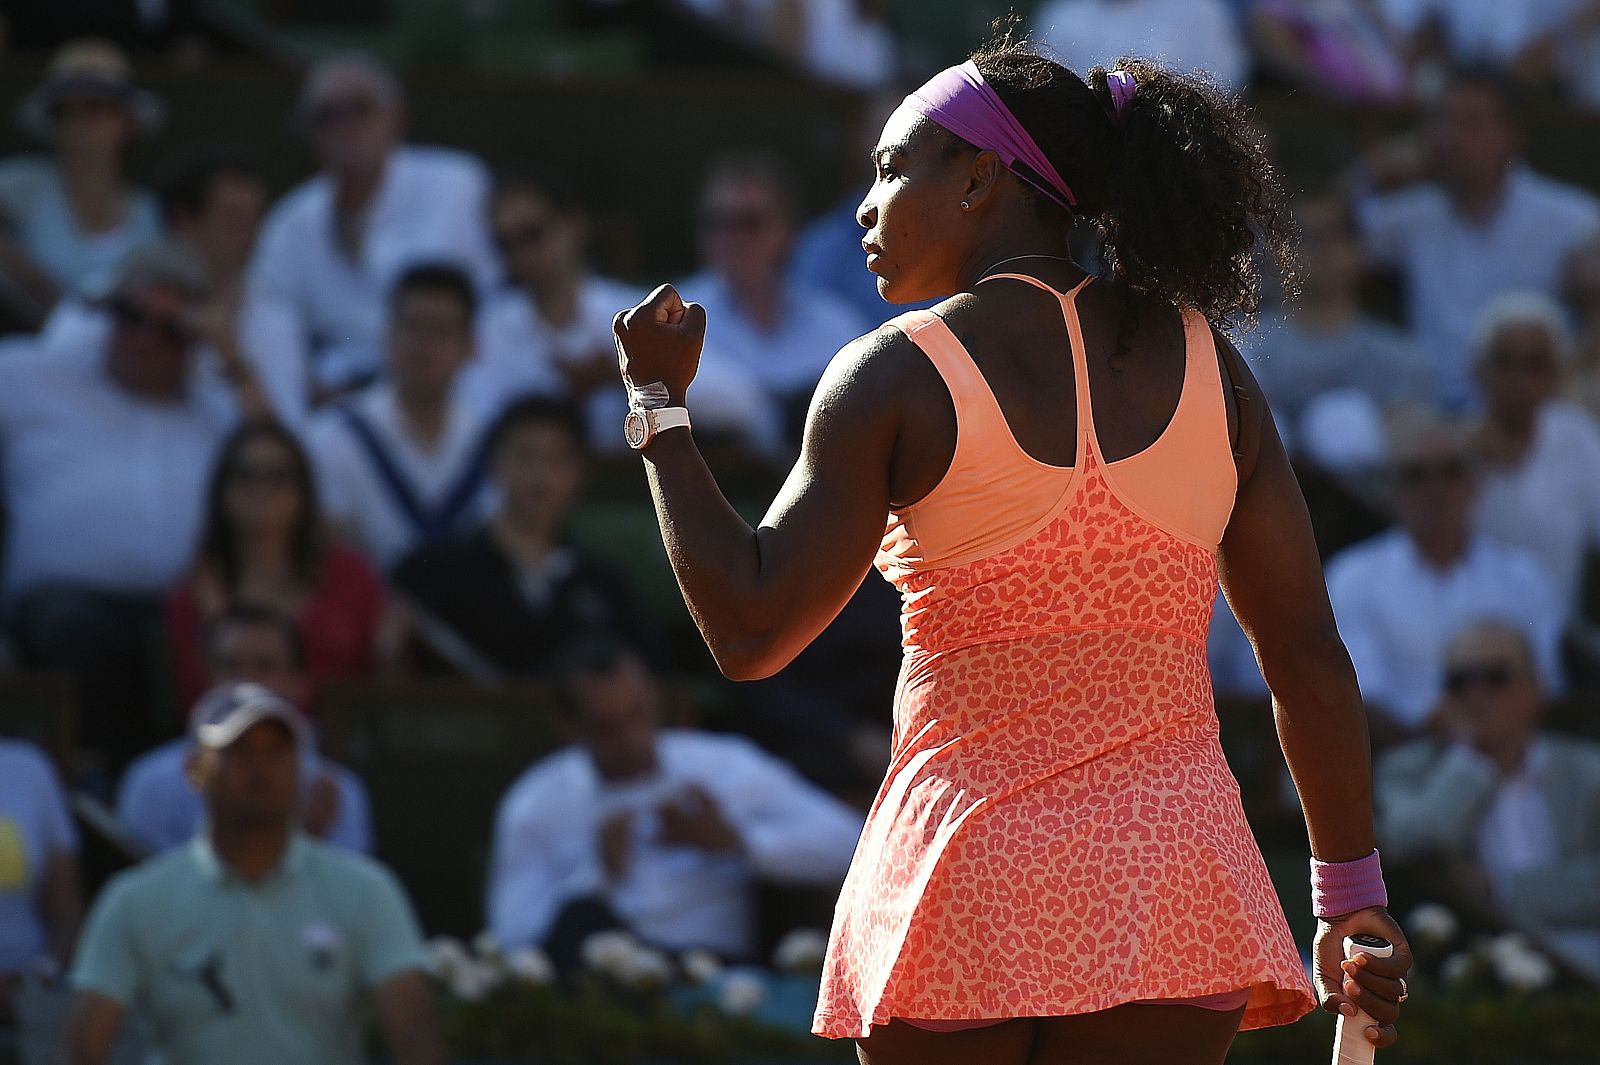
<point x="1350" y="1043"/>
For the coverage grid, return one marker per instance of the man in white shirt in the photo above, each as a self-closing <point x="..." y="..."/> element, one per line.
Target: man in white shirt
<point x="333" y="247"/>
<point x="108" y="427"/>
<point x="760" y="319"/>
<point x="156" y="799"/>
<point x="666" y="829"/>
<point x="1496" y="810"/>
<point x="1398" y="595"/>
<point x="1541" y="453"/>
<point x="1187" y="35"/>
<point x="548" y="331"/>
<point x="401" y="464"/>
<point x="1487" y="224"/>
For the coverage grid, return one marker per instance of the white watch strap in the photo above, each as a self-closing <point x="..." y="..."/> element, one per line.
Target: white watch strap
<point x="669" y="418"/>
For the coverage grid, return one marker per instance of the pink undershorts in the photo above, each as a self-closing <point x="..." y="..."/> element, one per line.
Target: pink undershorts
<point x="1222" y="1002"/>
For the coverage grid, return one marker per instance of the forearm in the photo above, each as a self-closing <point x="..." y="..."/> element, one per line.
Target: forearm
<point x="714" y="553"/>
<point x="248" y="392"/>
<point x="1323" y="730"/>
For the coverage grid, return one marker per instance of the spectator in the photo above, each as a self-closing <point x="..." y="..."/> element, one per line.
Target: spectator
<point x="213" y="202"/>
<point x="1324" y="341"/>
<point x="156" y="800"/>
<point x="1193" y="36"/>
<point x="501" y="601"/>
<point x="1345" y="49"/>
<point x="1487" y="224"/>
<point x="254" y="944"/>
<point x="401" y="464"/>
<point x="263" y="542"/>
<point x="1580" y="292"/>
<point x="41" y="903"/>
<point x="73" y="216"/>
<point x="549" y="330"/>
<point x="777" y="330"/>
<point x="1502" y="813"/>
<point x="104" y="427"/>
<point x="1398" y="595"/>
<point x="659" y="830"/>
<point x="1540" y="454"/>
<point x="333" y="247"/>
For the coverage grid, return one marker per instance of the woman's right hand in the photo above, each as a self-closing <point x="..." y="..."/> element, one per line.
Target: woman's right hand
<point x="1364" y="982"/>
<point x="660" y="340"/>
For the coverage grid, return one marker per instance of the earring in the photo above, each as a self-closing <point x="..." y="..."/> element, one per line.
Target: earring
<point x="965" y="206"/>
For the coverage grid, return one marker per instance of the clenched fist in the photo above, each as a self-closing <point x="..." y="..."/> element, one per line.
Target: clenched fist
<point x="659" y="340"/>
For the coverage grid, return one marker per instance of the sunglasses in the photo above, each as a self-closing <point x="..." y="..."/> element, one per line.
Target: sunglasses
<point x="1492" y="676"/>
<point x="275" y="476"/>
<point x="1417" y="474"/>
<point x="132" y="316"/>
<point x="532" y="233"/>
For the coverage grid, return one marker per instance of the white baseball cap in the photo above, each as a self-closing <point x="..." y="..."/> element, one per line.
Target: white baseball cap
<point x="227" y="711"/>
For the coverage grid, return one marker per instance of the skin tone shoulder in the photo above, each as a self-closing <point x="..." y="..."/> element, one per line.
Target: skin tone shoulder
<point x="881" y="432"/>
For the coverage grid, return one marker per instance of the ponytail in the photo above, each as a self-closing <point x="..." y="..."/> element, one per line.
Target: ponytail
<point x="1177" y="180"/>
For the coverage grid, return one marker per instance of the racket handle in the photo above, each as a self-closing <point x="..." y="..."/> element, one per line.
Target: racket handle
<point x="1350" y="1043"/>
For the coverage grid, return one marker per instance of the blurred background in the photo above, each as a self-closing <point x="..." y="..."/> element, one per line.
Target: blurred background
<point x="306" y="381"/>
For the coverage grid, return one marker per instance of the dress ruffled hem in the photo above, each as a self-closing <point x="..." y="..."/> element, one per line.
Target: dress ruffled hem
<point x="1271" y="1003"/>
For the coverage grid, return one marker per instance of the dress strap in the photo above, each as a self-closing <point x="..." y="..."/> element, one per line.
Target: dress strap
<point x="961" y="375"/>
<point x="1080" y="357"/>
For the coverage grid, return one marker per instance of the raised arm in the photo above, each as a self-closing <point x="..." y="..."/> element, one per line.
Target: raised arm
<point x="1272" y="576"/>
<point x="761" y="595"/>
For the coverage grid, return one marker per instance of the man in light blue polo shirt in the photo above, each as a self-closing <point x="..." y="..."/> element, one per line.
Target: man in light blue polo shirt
<point x="255" y="944"/>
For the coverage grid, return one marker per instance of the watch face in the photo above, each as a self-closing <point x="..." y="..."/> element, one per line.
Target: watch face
<point x="635" y="429"/>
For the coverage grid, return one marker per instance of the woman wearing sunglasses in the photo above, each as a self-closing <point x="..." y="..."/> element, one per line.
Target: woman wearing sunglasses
<point x="1056" y="868"/>
<point x="263" y="543"/>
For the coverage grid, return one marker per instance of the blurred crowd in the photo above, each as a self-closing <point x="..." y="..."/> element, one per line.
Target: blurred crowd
<point x="255" y="447"/>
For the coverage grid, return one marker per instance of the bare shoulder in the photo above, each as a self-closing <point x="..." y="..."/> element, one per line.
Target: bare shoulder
<point x="874" y="372"/>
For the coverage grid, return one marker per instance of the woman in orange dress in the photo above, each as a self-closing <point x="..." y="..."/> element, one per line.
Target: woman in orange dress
<point x="1057" y="867"/>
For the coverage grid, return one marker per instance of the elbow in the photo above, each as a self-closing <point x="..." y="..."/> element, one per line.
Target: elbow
<point x="1308" y="664"/>
<point x="750" y="656"/>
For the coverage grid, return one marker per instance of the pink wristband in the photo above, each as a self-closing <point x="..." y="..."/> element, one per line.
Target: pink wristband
<point x="1338" y="888"/>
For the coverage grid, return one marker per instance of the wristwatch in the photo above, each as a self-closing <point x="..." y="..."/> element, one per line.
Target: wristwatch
<point x="641" y="425"/>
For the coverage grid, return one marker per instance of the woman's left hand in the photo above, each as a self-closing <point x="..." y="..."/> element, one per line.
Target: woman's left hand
<point x="660" y="340"/>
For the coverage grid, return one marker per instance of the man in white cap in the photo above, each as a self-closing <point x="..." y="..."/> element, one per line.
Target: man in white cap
<point x="255" y="944"/>
<point x="156" y="800"/>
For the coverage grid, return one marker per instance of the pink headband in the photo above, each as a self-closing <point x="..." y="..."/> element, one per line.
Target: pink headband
<point x="959" y="100"/>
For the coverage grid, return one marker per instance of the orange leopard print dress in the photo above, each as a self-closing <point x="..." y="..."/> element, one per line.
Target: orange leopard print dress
<point x="1058" y="831"/>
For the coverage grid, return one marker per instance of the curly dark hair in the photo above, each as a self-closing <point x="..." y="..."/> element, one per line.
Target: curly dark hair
<point x="1179" y="185"/>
